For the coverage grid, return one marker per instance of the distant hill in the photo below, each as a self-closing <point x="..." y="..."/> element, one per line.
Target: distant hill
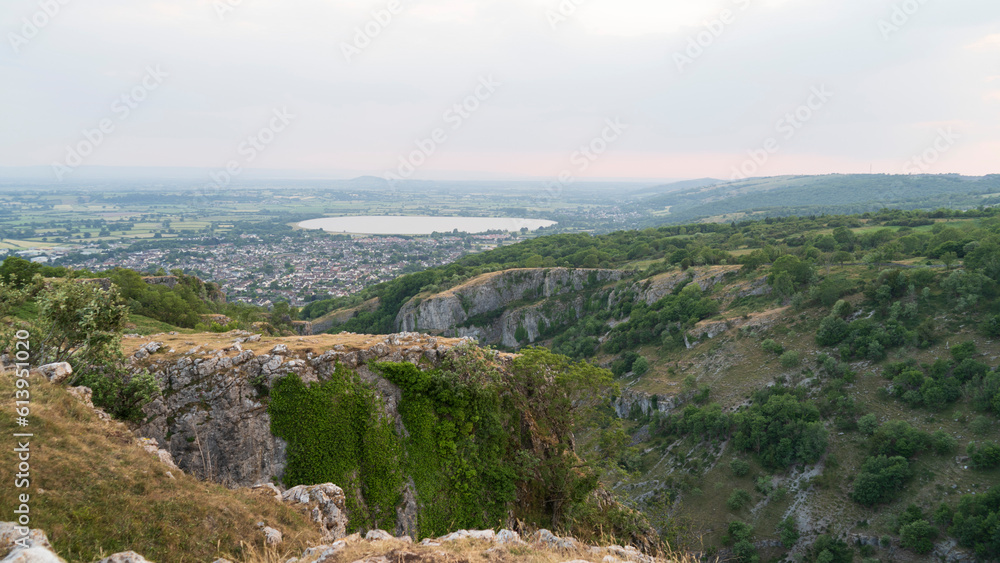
<point x="784" y="196"/>
<point x="673" y="187"/>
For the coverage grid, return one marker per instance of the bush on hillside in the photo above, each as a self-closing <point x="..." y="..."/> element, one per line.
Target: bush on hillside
<point x="881" y="480"/>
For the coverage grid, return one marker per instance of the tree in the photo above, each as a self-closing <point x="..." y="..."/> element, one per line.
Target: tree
<point x="800" y="272"/>
<point x="79" y="322"/>
<point x="17" y="272"/>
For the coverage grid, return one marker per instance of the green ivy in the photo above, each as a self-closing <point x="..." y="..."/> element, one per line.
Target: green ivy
<point x="337" y="433"/>
<point x="457" y="449"/>
<point x="475" y="442"/>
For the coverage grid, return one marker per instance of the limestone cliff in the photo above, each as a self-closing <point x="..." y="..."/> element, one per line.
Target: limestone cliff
<point x="212" y="417"/>
<point x="492" y="307"/>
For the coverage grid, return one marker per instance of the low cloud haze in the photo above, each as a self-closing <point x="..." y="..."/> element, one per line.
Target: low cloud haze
<point x="718" y="88"/>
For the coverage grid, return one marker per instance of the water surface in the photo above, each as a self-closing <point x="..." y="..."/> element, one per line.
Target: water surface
<point x="416" y="225"/>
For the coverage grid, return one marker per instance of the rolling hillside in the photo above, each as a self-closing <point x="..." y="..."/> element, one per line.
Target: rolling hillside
<point x="785" y="196"/>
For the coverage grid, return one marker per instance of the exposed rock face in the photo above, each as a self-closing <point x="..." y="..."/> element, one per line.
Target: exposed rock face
<point x="169" y="281"/>
<point x="642" y="401"/>
<point x="446" y="312"/>
<point x="213" y="421"/>
<point x="328" y="508"/>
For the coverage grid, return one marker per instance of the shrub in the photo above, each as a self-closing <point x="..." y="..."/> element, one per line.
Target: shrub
<point x="974" y="523"/>
<point x="80" y="323"/>
<point x="943" y="443"/>
<point x="773" y="347"/>
<point x="739" y="467"/>
<point x="963" y="351"/>
<point x="842" y="309"/>
<point x="118" y="390"/>
<point x="789" y="532"/>
<point x="868" y="424"/>
<point x="764" y="485"/>
<point x="897" y="437"/>
<point x="831" y="550"/>
<point x="881" y="479"/>
<point x="780" y="429"/>
<point x="832" y="331"/>
<point x="640" y="367"/>
<point x="738" y="499"/>
<point x="740" y="535"/>
<point x="790" y="359"/>
<point x="984" y="456"/>
<point x="918" y="536"/>
<point x="980" y="425"/>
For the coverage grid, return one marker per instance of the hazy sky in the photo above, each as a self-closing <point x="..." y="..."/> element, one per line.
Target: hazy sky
<point x="655" y="88"/>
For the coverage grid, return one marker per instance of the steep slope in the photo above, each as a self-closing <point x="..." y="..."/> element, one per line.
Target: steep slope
<point x="424" y="434"/>
<point x="94" y="490"/>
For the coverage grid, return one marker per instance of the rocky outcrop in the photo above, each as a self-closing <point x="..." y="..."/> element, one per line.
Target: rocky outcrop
<point x="169" y="281"/>
<point x="212" y="417"/>
<point x="657" y="287"/>
<point x="643" y="402"/>
<point x="21" y="545"/>
<point x="57" y="373"/>
<point x="326" y="505"/>
<point x="479" y="307"/>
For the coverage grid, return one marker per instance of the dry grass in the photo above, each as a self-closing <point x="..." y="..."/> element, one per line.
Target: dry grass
<point x="470" y="551"/>
<point x="95" y="492"/>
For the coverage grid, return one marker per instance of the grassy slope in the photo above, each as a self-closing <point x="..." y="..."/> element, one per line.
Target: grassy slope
<point x="104" y="494"/>
<point x="734" y="366"/>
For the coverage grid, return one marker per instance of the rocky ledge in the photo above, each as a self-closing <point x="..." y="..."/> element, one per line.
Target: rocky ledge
<point x="212" y="417"/>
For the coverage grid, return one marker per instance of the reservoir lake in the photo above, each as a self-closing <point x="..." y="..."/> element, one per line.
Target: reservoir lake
<point x="416" y="225"/>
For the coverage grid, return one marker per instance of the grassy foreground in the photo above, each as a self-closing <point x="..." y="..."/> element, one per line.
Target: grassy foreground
<point x="95" y="492"/>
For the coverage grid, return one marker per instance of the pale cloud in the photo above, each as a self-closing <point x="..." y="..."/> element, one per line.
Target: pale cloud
<point x="606" y="59"/>
<point x="988" y="43"/>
